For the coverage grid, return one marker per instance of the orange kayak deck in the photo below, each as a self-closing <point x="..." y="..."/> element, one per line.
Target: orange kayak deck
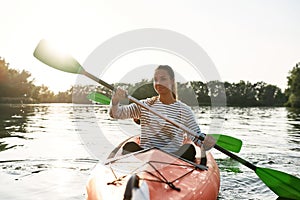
<point x="161" y="176"/>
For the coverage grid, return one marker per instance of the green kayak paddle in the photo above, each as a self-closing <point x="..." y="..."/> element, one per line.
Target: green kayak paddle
<point x="99" y="98"/>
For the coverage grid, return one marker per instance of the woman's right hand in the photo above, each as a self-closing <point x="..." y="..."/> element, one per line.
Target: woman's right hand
<point x="118" y="95"/>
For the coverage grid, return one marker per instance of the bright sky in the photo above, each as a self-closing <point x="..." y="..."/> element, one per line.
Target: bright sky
<point x="251" y="40"/>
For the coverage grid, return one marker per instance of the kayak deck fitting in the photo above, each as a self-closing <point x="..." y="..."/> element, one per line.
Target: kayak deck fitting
<point x="153" y="174"/>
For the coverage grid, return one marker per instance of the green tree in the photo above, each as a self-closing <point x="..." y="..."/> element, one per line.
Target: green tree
<point x="15" y="84"/>
<point x="186" y="94"/>
<point x="201" y="91"/>
<point x="269" y="95"/>
<point x="293" y="90"/>
<point x="240" y="94"/>
<point x="3" y="77"/>
<point x="45" y="95"/>
<point x="142" y="90"/>
<point x="64" y="97"/>
<point x="217" y="93"/>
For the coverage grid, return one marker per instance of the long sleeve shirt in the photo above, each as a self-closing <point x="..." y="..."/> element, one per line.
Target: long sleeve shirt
<point x="156" y="132"/>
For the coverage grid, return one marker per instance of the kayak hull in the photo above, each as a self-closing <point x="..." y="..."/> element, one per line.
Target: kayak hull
<point x="164" y="176"/>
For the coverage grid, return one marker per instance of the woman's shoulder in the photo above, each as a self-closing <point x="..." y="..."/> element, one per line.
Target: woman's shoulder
<point x="151" y="100"/>
<point x="184" y="106"/>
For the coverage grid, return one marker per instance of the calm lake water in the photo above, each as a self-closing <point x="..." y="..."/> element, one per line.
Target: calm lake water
<point x="47" y="151"/>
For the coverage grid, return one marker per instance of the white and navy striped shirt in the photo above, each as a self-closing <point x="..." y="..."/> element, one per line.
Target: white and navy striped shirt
<point x="156" y="132"/>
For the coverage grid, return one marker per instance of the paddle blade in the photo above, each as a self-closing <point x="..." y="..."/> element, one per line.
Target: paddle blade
<point x="51" y="57"/>
<point x="227" y="142"/>
<point x="99" y="98"/>
<point x="283" y="184"/>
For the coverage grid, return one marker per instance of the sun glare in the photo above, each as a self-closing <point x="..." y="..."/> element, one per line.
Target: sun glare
<point x="55" y="54"/>
<point x="58" y="45"/>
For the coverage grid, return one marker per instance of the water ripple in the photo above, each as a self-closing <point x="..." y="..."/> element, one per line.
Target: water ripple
<point x="49" y="158"/>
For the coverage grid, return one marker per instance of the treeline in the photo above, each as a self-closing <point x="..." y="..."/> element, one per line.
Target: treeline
<point x="239" y="94"/>
<point x="18" y="87"/>
<point x="220" y="93"/>
<point x="293" y="90"/>
<point x="196" y="93"/>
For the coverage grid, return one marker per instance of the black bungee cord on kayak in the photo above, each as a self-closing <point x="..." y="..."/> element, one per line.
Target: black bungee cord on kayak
<point x="158" y="177"/>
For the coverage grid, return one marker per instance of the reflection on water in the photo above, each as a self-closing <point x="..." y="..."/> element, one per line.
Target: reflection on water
<point x="42" y="155"/>
<point x="294" y="113"/>
<point x="293" y="116"/>
<point x="270" y="139"/>
<point x="13" y="118"/>
<point x="13" y="122"/>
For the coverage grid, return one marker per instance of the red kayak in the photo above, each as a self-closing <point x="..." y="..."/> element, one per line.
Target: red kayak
<point x="153" y="174"/>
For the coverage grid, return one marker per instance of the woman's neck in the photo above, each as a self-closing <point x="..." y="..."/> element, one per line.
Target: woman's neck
<point x="167" y="99"/>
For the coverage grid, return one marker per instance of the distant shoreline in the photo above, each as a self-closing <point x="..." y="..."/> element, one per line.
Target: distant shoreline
<point x="27" y="101"/>
<point x="16" y="100"/>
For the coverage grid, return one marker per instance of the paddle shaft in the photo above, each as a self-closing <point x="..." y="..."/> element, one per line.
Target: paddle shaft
<point x="178" y="125"/>
<point x="98" y="80"/>
<point x="235" y="157"/>
<point x="221" y="149"/>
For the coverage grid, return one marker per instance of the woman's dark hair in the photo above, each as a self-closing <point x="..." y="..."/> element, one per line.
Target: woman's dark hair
<point x="171" y="73"/>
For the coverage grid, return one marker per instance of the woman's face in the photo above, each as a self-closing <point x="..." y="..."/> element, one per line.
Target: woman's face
<point x="162" y="82"/>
